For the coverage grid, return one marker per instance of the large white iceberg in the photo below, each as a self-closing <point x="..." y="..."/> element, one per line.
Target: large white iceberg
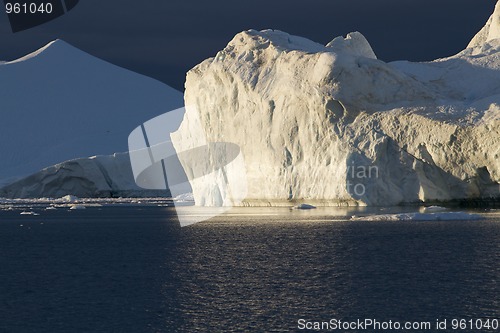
<point x="60" y="106"/>
<point x="333" y="125"/>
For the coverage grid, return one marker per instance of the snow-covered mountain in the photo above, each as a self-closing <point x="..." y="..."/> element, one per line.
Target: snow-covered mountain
<point x="61" y="104"/>
<point x="334" y="125"/>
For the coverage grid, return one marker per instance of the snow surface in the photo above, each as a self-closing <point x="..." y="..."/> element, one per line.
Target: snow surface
<point x="354" y="43"/>
<point x="61" y="104"/>
<point x="305" y="115"/>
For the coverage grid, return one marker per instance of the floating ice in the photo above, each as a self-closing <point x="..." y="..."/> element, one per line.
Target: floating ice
<point x="434" y="209"/>
<point x="73" y="106"/>
<point x="304" y="206"/>
<point x="69" y="198"/>
<point x="449" y="216"/>
<point x="334" y="125"/>
<point x="186" y="197"/>
<point x="29" y="213"/>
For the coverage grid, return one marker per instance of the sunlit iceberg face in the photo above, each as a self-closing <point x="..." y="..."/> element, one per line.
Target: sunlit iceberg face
<point x="186" y="162"/>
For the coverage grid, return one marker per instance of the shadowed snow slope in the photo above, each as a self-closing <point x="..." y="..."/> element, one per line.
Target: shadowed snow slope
<point x="333" y="125"/>
<point x="59" y="104"/>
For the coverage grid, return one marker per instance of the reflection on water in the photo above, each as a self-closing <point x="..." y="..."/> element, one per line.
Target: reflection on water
<point x="260" y="273"/>
<point x="252" y="270"/>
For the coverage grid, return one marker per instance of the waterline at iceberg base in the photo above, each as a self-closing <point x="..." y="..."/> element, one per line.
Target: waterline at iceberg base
<point x="334" y="125"/>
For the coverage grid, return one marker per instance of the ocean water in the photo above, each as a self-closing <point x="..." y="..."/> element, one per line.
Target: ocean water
<point x="133" y="269"/>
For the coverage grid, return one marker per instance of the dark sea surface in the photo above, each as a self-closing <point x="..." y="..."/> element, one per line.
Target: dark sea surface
<point x="133" y="269"/>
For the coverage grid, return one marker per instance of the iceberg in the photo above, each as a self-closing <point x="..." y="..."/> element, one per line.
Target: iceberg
<point x="92" y="177"/>
<point x="60" y="107"/>
<point x="333" y="125"/>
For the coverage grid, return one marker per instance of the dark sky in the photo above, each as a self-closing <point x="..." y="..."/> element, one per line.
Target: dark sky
<point x="165" y="38"/>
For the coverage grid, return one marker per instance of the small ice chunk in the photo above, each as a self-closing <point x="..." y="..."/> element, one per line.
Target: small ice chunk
<point x="446" y="216"/>
<point x="70" y="198"/>
<point x="185" y="197"/>
<point x="75" y="207"/>
<point x="29" y="213"/>
<point x="433" y="209"/>
<point x="304" y="206"/>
